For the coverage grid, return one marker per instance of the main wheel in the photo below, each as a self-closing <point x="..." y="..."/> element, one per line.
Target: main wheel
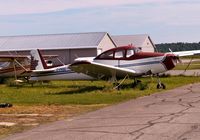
<point x="161" y="86"/>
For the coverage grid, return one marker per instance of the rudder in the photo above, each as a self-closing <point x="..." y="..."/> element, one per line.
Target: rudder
<point x="37" y="61"/>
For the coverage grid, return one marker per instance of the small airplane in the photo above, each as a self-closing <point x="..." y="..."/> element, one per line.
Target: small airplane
<point x="14" y="65"/>
<point x="120" y="62"/>
<point x="41" y="72"/>
<point x="17" y="65"/>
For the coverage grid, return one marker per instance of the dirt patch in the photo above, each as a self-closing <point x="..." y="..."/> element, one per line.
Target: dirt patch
<point x="26" y="117"/>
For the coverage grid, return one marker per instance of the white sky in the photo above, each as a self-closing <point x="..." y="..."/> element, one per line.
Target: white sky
<point x="163" y="20"/>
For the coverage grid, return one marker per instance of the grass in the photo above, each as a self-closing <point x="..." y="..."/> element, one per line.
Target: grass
<point x="195" y="64"/>
<point x="192" y="56"/>
<point x="84" y="92"/>
<point x="45" y="113"/>
<point x="184" y="66"/>
<point x="64" y="99"/>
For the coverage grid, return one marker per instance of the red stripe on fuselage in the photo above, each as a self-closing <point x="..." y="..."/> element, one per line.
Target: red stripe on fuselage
<point x="143" y="55"/>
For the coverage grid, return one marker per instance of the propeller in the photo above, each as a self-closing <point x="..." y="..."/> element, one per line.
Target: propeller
<point x="176" y="57"/>
<point x="179" y="60"/>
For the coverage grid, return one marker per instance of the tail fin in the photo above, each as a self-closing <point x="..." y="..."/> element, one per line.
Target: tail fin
<point x="37" y="61"/>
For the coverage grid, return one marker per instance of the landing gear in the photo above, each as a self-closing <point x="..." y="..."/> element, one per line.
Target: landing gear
<point x="136" y="82"/>
<point x="160" y="85"/>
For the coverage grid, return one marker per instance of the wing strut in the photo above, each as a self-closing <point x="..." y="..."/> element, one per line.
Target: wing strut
<point x="188" y="64"/>
<point x="20" y="65"/>
<point x="15" y="70"/>
<point x="118" y="86"/>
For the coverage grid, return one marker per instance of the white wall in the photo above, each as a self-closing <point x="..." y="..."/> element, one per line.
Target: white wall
<point x="147" y="46"/>
<point x="105" y="44"/>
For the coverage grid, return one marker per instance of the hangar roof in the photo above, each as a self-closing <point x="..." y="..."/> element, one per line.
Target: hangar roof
<point x="52" y="41"/>
<point x="136" y="40"/>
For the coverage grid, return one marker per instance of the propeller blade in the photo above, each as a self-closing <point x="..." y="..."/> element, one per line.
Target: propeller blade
<point x="179" y="60"/>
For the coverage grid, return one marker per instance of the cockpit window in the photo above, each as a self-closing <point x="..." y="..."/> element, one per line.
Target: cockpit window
<point x="107" y="55"/>
<point x="139" y="49"/>
<point x="129" y="53"/>
<point x="119" y="54"/>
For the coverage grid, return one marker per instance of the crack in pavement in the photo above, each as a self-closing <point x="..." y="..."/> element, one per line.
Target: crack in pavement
<point x="193" y="127"/>
<point x="172" y="116"/>
<point x="140" y="135"/>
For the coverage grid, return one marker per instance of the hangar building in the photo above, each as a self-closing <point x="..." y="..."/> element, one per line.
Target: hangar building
<point x="142" y="41"/>
<point x="67" y="46"/>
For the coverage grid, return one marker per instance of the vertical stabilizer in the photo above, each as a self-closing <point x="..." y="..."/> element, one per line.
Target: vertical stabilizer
<point x="37" y="61"/>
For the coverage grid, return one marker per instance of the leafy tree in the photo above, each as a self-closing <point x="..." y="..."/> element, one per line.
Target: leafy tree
<point x="179" y="46"/>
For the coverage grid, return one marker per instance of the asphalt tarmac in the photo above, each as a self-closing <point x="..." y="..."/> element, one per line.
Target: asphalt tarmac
<point x="170" y="115"/>
<point x="183" y="72"/>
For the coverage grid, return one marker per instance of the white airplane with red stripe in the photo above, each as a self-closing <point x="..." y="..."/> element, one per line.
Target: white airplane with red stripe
<point x="128" y="61"/>
<point x="40" y="71"/>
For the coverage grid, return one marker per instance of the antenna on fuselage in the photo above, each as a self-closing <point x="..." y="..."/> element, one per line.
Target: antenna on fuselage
<point x="170" y="50"/>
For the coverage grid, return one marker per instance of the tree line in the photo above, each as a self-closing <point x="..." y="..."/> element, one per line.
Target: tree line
<point x="180" y="46"/>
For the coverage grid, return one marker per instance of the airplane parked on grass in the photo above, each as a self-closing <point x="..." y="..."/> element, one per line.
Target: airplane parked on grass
<point x="14" y="65"/>
<point x="17" y="65"/>
<point x="41" y="72"/>
<point x="35" y="68"/>
<point x="129" y="61"/>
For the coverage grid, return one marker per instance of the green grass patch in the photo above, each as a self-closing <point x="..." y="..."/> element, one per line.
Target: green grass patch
<point x="191" y="57"/>
<point x="85" y="92"/>
<point x="184" y="66"/>
<point x="195" y="64"/>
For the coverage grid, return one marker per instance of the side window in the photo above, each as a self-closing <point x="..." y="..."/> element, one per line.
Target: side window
<point x="107" y="55"/>
<point x="139" y="49"/>
<point x="119" y="54"/>
<point x="129" y="53"/>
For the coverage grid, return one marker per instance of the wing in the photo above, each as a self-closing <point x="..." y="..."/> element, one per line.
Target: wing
<point x="101" y="71"/>
<point x="186" y="53"/>
<point x="11" y="58"/>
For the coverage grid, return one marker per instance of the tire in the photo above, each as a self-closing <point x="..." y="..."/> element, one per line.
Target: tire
<point x="161" y="86"/>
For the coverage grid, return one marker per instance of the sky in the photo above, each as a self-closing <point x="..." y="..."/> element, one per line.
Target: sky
<point x="166" y="21"/>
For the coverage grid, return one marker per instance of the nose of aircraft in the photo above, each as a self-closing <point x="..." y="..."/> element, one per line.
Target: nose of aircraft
<point x="170" y="61"/>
